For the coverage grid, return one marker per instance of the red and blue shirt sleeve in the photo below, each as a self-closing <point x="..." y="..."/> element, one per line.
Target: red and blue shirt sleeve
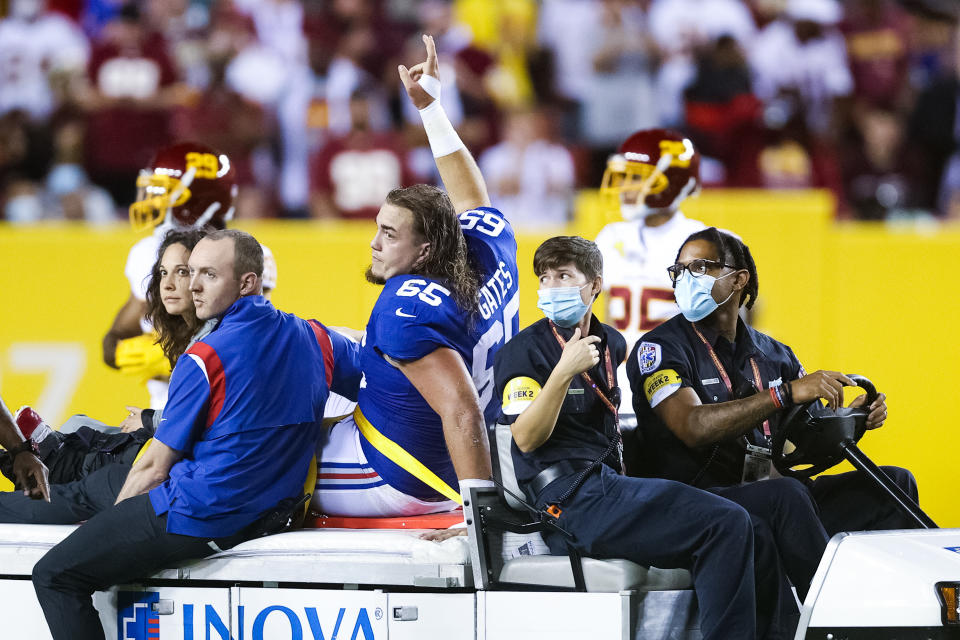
<point x="187" y="413"/>
<point x="341" y="361"/>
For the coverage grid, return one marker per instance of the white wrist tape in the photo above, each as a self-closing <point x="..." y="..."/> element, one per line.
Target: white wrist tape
<point x="442" y="136"/>
<point x="431" y="85"/>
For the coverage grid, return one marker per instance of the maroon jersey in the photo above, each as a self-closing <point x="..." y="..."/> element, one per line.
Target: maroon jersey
<point x="878" y="49"/>
<point x="358" y="170"/>
<point x="123" y="137"/>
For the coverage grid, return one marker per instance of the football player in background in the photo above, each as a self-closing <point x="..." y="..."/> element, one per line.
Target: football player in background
<point x="651" y="174"/>
<point x="448" y="266"/>
<point x="186" y="185"/>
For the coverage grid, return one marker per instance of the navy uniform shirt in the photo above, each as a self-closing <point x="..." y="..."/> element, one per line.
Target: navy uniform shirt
<point x="585" y="426"/>
<point x="673" y="356"/>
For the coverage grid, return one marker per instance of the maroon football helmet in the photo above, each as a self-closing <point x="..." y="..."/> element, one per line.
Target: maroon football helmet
<point x="187" y="185"/>
<point x="654" y="170"/>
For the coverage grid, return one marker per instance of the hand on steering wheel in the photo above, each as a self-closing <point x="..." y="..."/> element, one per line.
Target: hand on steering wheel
<point x="877" y="409"/>
<point x="821" y="385"/>
<point x="817" y="434"/>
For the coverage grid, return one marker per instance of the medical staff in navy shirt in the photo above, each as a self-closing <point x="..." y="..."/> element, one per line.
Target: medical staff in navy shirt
<point x="708" y="392"/>
<point x="556" y="379"/>
<point x="240" y="428"/>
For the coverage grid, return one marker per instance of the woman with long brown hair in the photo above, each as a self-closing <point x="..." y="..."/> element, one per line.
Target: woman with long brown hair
<point x="169" y="302"/>
<point x="83" y="445"/>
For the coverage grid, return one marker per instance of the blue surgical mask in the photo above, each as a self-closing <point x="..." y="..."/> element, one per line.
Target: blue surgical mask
<point x="695" y="295"/>
<point x="563" y="305"/>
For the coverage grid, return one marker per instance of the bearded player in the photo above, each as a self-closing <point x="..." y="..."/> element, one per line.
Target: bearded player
<point x="651" y="174"/>
<point x="186" y="185"/>
<point x="450" y="300"/>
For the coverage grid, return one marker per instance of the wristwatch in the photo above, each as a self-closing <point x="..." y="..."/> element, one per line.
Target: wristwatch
<point x="26" y="445"/>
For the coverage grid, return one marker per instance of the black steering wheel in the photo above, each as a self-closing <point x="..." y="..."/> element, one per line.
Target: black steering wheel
<point x="819" y="434"/>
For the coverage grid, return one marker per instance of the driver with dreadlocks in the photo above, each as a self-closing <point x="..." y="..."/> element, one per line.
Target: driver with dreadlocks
<point x="708" y="391"/>
<point x="558" y="385"/>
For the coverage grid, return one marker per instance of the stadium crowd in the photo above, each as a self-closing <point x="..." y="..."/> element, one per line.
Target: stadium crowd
<point x="857" y="97"/>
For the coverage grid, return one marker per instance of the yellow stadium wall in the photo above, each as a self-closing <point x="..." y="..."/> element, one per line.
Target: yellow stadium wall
<point x="856" y="297"/>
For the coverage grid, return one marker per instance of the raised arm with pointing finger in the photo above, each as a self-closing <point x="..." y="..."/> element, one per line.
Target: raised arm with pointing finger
<point x="448" y="266"/>
<point x="456" y="165"/>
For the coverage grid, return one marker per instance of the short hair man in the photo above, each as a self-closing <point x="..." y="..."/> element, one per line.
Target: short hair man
<point x="237" y="436"/>
<point x="449" y="301"/>
<point x="708" y="390"/>
<point x="560" y="396"/>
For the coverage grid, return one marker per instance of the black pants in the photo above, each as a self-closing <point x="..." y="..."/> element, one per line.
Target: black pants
<point x="668" y="525"/>
<point x="69" y="503"/>
<point x="123" y="543"/>
<point x="73" y="456"/>
<point x="788" y="510"/>
<point x="852" y="502"/>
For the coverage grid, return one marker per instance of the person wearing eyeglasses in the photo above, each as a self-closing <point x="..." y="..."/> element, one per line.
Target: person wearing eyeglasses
<point x="709" y="391"/>
<point x="559" y="392"/>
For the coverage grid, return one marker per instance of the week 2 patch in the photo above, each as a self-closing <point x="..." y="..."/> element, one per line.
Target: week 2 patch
<point x="518" y="395"/>
<point x="661" y="385"/>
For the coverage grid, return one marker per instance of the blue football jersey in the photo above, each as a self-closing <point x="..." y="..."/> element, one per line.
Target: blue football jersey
<point x="415" y="315"/>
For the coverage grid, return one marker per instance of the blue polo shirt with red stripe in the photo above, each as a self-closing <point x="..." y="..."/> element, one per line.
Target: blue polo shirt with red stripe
<point x="245" y="407"/>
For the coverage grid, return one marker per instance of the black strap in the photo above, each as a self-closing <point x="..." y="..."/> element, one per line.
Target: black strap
<point x="554" y="472"/>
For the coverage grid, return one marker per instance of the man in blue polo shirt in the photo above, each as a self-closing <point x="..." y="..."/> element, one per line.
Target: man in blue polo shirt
<point x="240" y="427"/>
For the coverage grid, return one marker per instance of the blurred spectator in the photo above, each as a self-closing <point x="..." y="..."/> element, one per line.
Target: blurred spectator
<point x="97" y="14"/>
<point x="474" y="79"/>
<point x="876" y="186"/>
<point x="508" y="31"/>
<point x="933" y="152"/>
<point x="328" y="22"/>
<point x="529" y="177"/>
<point x="802" y="75"/>
<point x="227" y="120"/>
<point x="803" y="55"/>
<point x="131" y="93"/>
<point x="280" y="28"/>
<point x="619" y="93"/>
<point x="347" y="75"/>
<point x="184" y="26"/>
<point x="877" y="38"/>
<point x="931" y="44"/>
<point x="66" y="195"/>
<point x="820" y="102"/>
<point x="680" y="28"/>
<point x="38" y="50"/>
<point x="724" y="116"/>
<point x="353" y="173"/>
<point x="567" y="30"/>
<point x="25" y="155"/>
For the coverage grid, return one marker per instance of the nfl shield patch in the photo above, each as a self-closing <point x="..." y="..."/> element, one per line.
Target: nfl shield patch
<point x="648" y="356"/>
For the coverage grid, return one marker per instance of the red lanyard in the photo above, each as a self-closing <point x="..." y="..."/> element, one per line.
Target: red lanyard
<point x="593" y="385"/>
<point x="611" y="382"/>
<point x="726" y="378"/>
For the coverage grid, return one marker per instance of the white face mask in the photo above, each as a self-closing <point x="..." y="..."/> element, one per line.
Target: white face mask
<point x="695" y="295"/>
<point x="563" y="305"/>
